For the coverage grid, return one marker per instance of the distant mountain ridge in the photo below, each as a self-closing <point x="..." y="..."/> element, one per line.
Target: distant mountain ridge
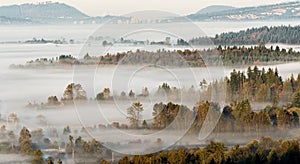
<point x="46" y="13"/>
<point x="282" y="11"/>
<point x="214" y="8"/>
<point x="60" y="13"/>
<point x="41" y="10"/>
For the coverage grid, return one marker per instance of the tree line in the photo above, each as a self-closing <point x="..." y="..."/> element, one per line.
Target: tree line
<point x="219" y="56"/>
<point x="266" y="150"/>
<point x="253" y="36"/>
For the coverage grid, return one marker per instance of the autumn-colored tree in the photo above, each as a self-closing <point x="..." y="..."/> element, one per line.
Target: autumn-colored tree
<point x="296" y="99"/>
<point x="287" y="91"/>
<point x="134" y="115"/>
<point x="165" y="114"/>
<point x="216" y="151"/>
<point x="285" y="119"/>
<point x="38" y="157"/>
<point x="25" y="141"/>
<point x="242" y="113"/>
<point x="105" y="95"/>
<point x="201" y="110"/>
<point x="74" y="92"/>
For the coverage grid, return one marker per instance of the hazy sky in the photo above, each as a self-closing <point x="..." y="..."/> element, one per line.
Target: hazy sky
<point x="120" y="7"/>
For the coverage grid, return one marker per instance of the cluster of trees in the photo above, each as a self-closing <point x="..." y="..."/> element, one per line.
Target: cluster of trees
<point x="258" y="86"/>
<point x="236" y="118"/>
<point x="163" y="116"/>
<point x="106" y="95"/>
<point x="44" y="41"/>
<point x="88" y="148"/>
<point x="32" y="143"/>
<point x="251" y="36"/>
<point x="240" y="118"/>
<point x="266" y="150"/>
<point x="60" y="59"/>
<point x="24" y="145"/>
<point x="73" y="92"/>
<point x="228" y="56"/>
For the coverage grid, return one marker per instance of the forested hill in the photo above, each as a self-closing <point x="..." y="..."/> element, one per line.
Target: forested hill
<point x="281" y="11"/>
<point x="278" y="34"/>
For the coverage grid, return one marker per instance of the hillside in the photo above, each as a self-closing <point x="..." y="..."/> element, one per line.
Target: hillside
<point x="282" y="11"/>
<point x="47" y="13"/>
<point x="42" y="10"/>
<point x="214" y="8"/>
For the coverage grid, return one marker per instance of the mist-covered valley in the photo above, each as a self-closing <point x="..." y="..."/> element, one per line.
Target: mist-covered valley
<point x="95" y="119"/>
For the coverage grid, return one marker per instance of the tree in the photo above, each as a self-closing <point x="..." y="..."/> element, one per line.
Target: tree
<point x="131" y="94"/>
<point x="52" y="100"/>
<point x="59" y="161"/>
<point x="216" y="151"/>
<point x="74" y="92"/>
<point x="124" y="160"/>
<point x="123" y="95"/>
<point x="87" y="57"/>
<point x="226" y="122"/>
<point x="50" y="160"/>
<point x="165" y="88"/>
<point x="201" y="109"/>
<point x="296" y="99"/>
<point x="287" y="91"/>
<point x="134" y="114"/>
<point x="145" y="92"/>
<point x="145" y="125"/>
<point x="287" y="118"/>
<point x="100" y="96"/>
<point x="165" y="114"/>
<point x="66" y="130"/>
<point x="25" y="141"/>
<point x="38" y="157"/>
<point x="242" y="113"/>
<point x="273" y="157"/>
<point x="105" y="95"/>
<point x="203" y="83"/>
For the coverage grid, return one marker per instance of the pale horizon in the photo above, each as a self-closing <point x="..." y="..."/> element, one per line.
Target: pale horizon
<point x="115" y="7"/>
